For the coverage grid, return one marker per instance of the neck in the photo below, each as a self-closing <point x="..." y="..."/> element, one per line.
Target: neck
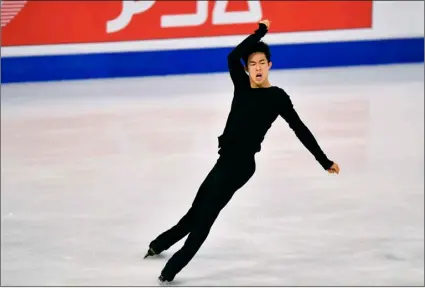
<point x="265" y="84"/>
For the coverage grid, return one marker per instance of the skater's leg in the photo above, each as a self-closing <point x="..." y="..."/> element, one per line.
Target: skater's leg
<point x="193" y="243"/>
<point x="220" y="190"/>
<point x="173" y="235"/>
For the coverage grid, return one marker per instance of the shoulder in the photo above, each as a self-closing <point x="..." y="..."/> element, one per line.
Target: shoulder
<point x="283" y="101"/>
<point x="279" y="91"/>
<point x="281" y="94"/>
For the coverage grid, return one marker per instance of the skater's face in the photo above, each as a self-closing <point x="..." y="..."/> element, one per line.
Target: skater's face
<point x="258" y="68"/>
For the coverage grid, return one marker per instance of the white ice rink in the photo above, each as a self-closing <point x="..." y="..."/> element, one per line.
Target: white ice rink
<point x="92" y="171"/>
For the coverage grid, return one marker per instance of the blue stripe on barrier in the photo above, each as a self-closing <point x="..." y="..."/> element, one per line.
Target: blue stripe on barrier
<point x="207" y="60"/>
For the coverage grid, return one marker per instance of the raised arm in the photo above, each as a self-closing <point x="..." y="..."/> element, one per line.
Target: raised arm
<point x="236" y="69"/>
<point x="288" y="113"/>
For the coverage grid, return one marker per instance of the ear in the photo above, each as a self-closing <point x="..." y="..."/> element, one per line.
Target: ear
<point x="270" y="64"/>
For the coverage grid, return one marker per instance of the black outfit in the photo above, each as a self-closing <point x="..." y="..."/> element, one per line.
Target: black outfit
<point x="252" y="114"/>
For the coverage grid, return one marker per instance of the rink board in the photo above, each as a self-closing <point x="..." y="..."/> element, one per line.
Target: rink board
<point x="63" y="40"/>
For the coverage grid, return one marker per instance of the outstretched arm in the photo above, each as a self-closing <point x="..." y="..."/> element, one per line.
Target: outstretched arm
<point x="288" y="113"/>
<point x="236" y="69"/>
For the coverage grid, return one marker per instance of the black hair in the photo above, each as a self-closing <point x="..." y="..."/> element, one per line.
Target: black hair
<point x="258" y="47"/>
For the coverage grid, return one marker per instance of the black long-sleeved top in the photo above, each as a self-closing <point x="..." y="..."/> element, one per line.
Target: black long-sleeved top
<point x="254" y="110"/>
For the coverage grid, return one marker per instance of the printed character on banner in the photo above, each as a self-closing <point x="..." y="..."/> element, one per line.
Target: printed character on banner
<point x="219" y="14"/>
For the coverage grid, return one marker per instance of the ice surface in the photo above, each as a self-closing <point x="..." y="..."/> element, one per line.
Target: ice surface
<point x="92" y="171"/>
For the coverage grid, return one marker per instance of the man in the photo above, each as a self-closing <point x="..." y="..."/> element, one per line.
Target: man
<point x="256" y="105"/>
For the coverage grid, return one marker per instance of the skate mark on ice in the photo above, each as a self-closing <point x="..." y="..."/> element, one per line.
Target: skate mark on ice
<point x="394" y="257"/>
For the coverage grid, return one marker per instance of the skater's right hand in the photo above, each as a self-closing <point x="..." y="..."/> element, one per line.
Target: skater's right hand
<point x="266" y="22"/>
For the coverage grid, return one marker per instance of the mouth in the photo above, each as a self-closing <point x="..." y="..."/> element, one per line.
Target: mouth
<point x="258" y="76"/>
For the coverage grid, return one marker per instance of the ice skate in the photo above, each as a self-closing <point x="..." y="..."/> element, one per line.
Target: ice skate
<point x="163" y="282"/>
<point x="150" y="253"/>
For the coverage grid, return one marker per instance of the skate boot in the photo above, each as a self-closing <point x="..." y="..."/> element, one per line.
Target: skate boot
<point x="163" y="282"/>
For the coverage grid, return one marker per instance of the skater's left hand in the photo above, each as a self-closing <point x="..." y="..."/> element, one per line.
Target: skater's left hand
<point x="334" y="169"/>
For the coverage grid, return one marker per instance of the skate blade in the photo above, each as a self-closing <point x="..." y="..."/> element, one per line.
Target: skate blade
<point x="164" y="282"/>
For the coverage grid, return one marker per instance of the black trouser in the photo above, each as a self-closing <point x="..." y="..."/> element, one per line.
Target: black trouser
<point x="228" y="175"/>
